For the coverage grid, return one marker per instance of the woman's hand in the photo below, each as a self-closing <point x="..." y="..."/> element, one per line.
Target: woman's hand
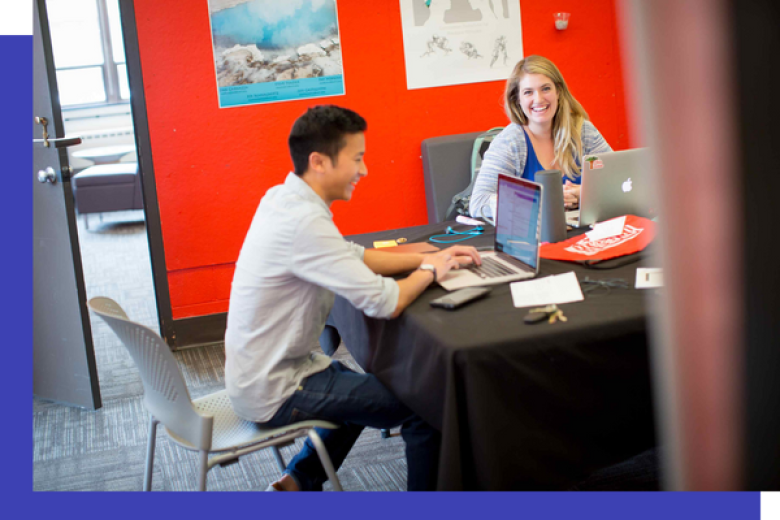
<point x="571" y="195"/>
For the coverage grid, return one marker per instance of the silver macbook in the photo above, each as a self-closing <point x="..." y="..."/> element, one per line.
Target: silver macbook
<point x="614" y="184"/>
<point x="518" y="236"/>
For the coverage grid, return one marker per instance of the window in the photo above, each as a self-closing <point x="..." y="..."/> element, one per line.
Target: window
<point x="88" y="51"/>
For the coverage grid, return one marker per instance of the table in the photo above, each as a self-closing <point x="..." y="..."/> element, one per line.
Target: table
<point x="105" y="154"/>
<point x="520" y="407"/>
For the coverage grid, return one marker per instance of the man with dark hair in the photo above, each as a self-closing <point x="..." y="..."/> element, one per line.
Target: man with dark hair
<point x="292" y="262"/>
<point x="322" y="129"/>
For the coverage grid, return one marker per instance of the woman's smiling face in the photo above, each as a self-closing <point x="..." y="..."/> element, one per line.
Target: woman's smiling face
<point x="538" y="99"/>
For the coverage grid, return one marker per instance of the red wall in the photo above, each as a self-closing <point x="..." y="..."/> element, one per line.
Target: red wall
<point x="213" y="165"/>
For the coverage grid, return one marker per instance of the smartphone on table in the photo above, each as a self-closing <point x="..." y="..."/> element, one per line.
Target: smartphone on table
<point x="460" y="297"/>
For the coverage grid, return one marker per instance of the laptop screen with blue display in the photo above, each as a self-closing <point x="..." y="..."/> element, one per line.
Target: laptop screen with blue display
<point x="518" y="219"/>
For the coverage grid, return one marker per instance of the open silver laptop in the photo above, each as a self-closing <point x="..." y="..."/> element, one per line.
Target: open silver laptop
<point x="518" y="236"/>
<point x="614" y="184"/>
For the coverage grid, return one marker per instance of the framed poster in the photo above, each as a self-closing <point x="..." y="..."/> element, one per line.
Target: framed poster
<point x="451" y="42"/>
<point x="267" y="51"/>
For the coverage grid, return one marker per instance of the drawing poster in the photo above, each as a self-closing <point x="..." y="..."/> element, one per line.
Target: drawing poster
<point x="451" y="42"/>
<point x="267" y="51"/>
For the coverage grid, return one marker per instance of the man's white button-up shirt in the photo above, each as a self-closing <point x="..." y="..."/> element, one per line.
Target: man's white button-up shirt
<point x="292" y="262"/>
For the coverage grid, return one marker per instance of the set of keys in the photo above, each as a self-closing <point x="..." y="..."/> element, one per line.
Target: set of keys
<point x="551" y="313"/>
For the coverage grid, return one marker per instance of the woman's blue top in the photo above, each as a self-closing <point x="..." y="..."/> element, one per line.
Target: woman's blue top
<point x="532" y="164"/>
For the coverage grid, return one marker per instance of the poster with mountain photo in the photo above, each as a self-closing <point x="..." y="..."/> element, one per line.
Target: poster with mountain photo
<point x="451" y="42"/>
<point x="267" y="51"/>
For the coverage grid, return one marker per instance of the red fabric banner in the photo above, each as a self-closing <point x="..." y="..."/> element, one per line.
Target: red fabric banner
<point x="637" y="233"/>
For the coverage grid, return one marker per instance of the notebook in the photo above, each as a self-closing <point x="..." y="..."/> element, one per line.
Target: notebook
<point x="518" y="236"/>
<point x="615" y="184"/>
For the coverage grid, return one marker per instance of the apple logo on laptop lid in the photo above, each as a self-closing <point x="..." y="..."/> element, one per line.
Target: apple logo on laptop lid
<point x="627" y="185"/>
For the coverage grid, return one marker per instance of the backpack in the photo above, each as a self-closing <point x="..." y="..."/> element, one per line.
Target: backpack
<point x="460" y="201"/>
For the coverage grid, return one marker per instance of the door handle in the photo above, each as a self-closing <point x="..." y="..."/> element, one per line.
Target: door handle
<point x="60" y="142"/>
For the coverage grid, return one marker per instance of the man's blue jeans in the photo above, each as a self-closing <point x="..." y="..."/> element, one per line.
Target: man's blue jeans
<point x="354" y="401"/>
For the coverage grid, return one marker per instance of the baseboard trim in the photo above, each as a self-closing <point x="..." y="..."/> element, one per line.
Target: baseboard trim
<point x="199" y="331"/>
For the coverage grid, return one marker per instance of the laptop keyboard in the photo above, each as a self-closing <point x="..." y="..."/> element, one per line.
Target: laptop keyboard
<point x="491" y="268"/>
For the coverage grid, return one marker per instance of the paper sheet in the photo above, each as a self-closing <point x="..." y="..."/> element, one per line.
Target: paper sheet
<point x="562" y="288"/>
<point x="606" y="229"/>
<point x="451" y="43"/>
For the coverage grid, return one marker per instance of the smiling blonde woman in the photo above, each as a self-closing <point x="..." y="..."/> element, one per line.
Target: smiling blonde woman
<point x="549" y="129"/>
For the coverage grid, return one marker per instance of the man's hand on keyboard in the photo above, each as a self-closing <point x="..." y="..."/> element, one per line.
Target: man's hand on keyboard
<point x="464" y="255"/>
<point x="452" y="258"/>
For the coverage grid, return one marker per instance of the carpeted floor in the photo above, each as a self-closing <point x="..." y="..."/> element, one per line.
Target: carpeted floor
<point x="81" y="450"/>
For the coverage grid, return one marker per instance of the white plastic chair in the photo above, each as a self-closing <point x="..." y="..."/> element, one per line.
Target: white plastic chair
<point x="207" y="425"/>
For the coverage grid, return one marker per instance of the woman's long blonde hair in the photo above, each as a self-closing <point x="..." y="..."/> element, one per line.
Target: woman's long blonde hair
<point x="568" y="119"/>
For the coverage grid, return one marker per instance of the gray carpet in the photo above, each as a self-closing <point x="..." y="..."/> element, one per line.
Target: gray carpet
<point x="104" y="450"/>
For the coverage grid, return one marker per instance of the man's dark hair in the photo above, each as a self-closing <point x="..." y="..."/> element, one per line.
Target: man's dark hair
<point x="322" y="129"/>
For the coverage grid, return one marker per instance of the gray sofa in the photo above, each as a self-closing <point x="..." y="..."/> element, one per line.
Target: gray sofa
<point x="108" y="187"/>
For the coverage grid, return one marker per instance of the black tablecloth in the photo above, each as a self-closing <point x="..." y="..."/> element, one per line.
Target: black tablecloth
<point x="519" y="406"/>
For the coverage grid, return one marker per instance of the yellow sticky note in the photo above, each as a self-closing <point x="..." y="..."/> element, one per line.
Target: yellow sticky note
<point x="385" y="243"/>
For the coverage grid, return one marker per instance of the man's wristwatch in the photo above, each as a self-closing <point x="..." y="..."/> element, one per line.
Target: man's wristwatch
<point x="428" y="267"/>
